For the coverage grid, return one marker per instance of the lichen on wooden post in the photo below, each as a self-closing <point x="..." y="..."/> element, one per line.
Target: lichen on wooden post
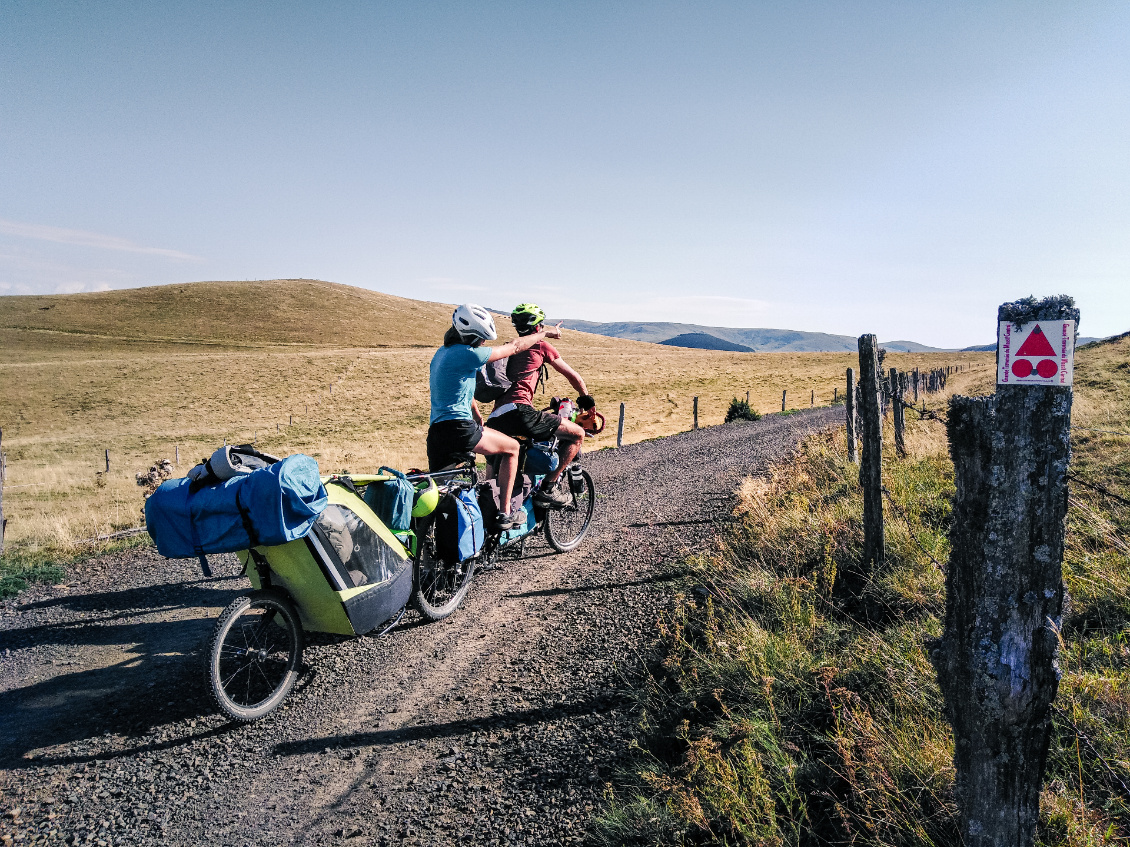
<point x="898" y="412"/>
<point x="871" y="464"/>
<point x="996" y="660"/>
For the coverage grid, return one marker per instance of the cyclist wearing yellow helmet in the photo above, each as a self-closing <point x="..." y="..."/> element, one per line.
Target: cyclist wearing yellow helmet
<point x="514" y="413"/>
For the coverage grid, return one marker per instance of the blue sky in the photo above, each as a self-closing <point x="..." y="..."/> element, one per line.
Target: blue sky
<point x="897" y="167"/>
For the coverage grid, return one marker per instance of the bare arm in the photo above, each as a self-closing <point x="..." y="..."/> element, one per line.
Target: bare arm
<point x="523" y="343"/>
<point x="562" y="367"/>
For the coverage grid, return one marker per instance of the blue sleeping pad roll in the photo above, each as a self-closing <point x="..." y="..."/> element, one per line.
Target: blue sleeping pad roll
<point x="270" y="506"/>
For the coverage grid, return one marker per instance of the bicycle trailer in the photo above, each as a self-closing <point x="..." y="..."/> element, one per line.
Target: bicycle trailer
<point x="347" y="575"/>
<point x="319" y="558"/>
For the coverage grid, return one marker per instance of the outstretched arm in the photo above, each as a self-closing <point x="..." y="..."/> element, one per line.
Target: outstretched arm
<point x="523" y="343"/>
<point x="562" y="367"/>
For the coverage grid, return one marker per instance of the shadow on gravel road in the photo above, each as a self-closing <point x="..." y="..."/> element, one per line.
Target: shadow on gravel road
<point x="128" y="672"/>
<point x="592" y="706"/>
<point x="607" y="586"/>
<point x="201" y="592"/>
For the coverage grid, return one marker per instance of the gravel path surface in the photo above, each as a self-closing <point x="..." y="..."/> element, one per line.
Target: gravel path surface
<point x="499" y="725"/>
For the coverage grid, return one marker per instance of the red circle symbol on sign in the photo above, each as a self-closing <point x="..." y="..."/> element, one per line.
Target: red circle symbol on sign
<point x="1047" y="368"/>
<point x="1022" y="368"/>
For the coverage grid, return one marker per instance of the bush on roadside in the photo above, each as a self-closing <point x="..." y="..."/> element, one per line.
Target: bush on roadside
<point x="740" y="411"/>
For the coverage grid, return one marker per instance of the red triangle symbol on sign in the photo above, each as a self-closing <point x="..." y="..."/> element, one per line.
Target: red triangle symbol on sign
<point x="1036" y="344"/>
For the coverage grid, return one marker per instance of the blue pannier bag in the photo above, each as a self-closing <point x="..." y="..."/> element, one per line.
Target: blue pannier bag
<point x="269" y="506"/>
<point x="459" y="527"/>
<point x="392" y="500"/>
<point x="541" y="459"/>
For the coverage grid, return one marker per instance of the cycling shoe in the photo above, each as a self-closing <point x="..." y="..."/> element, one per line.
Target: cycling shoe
<point x="554" y="496"/>
<point x="513" y="521"/>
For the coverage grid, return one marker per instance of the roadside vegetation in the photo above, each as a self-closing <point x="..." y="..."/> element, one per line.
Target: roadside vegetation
<point x="796" y="704"/>
<point x="740" y="411"/>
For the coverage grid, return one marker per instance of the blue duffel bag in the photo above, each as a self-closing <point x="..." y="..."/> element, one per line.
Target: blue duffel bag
<point x="392" y="500"/>
<point x="269" y="506"/>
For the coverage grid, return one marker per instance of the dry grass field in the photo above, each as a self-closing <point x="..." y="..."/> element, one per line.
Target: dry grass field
<point x="299" y="366"/>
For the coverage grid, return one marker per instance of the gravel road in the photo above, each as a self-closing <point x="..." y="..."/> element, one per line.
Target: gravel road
<point x="500" y="725"/>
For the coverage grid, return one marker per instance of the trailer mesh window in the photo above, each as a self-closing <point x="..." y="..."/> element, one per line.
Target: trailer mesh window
<point x="362" y="556"/>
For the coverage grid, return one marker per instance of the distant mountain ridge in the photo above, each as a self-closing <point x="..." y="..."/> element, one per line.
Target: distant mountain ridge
<point x="706" y="341"/>
<point x="758" y="339"/>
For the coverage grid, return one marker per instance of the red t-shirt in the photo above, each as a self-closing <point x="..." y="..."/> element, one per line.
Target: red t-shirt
<point x="522" y="368"/>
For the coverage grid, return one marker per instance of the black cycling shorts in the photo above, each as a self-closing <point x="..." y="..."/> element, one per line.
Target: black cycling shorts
<point x="526" y="421"/>
<point x="451" y="441"/>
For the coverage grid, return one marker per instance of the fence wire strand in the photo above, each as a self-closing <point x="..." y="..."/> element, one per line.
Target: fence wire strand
<point x="910" y="529"/>
<point x="1096" y="487"/>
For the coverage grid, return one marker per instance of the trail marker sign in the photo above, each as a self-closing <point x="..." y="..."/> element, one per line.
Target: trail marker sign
<point x="1037" y="353"/>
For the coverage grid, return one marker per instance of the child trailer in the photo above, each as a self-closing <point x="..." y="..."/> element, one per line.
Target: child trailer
<point x="341" y="571"/>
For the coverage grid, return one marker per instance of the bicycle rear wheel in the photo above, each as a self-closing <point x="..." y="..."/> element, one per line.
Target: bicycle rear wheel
<point x="438" y="586"/>
<point x="566" y="526"/>
<point x="255" y="654"/>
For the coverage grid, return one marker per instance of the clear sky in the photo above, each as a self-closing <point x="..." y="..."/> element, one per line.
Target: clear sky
<point x="890" y="167"/>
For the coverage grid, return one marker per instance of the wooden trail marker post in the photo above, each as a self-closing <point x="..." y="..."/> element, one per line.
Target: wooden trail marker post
<point x="898" y="410"/>
<point x="107" y="460"/>
<point x="783" y="394"/>
<point x="849" y="407"/>
<point x="812" y="400"/>
<point x="747" y="398"/>
<point x="996" y="660"/>
<point x="696" y="413"/>
<point x="871" y="464"/>
<point x="620" y="428"/>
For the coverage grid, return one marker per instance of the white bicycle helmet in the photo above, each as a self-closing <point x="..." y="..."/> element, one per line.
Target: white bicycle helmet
<point x="474" y="321"/>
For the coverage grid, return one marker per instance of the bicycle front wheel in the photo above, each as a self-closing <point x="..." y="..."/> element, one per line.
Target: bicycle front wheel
<point x="439" y="586"/>
<point x="255" y="655"/>
<point x="566" y="526"/>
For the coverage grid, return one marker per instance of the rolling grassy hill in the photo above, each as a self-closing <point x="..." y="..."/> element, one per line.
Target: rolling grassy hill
<point x="281" y="311"/>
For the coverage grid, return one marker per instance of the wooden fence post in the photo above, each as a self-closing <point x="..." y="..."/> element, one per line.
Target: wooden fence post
<point x="107" y="460"/>
<point x="696" y="413"/>
<point x="783" y="394"/>
<point x="176" y="453"/>
<point x="871" y="464"/>
<point x="849" y="406"/>
<point x="916" y="380"/>
<point x="835" y="394"/>
<point x="898" y="412"/>
<point x="996" y="660"/>
<point x="812" y="399"/>
<point x="620" y="428"/>
<point x="3" y="475"/>
<point x="747" y="398"/>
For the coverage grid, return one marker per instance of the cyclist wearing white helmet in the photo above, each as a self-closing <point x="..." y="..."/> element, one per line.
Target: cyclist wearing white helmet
<point x="514" y="413"/>
<point x="456" y="426"/>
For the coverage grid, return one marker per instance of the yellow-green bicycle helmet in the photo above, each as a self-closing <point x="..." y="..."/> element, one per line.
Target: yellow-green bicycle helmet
<point x="526" y="317"/>
<point x="427" y="498"/>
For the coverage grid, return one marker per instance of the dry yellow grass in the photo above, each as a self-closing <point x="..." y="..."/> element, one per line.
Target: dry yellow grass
<point x="142" y="372"/>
